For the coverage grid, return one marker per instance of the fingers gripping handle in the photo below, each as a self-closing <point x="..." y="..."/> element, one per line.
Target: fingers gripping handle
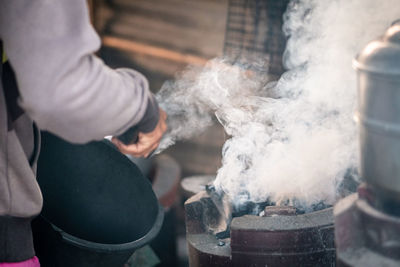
<point x="131" y="136"/>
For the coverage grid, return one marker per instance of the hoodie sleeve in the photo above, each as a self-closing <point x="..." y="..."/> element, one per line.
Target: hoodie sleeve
<point x="63" y="86"/>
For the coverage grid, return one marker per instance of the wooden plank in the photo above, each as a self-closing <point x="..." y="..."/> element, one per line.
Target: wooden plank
<point x="145" y="49"/>
<point x="187" y="36"/>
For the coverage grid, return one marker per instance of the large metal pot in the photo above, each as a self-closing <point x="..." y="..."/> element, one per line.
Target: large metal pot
<point x="98" y="207"/>
<point x="378" y="70"/>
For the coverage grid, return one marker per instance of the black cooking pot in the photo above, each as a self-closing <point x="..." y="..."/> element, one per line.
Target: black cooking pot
<point x="98" y="207"/>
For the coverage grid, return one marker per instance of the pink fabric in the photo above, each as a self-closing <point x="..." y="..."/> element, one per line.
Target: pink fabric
<point x="34" y="262"/>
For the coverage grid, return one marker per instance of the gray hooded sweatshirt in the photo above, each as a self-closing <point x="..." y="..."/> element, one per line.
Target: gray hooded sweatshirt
<point x="53" y="78"/>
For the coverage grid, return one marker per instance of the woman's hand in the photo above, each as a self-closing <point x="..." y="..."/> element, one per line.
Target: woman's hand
<point x="147" y="142"/>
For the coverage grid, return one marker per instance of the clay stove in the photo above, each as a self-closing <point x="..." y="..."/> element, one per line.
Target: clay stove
<point x="281" y="237"/>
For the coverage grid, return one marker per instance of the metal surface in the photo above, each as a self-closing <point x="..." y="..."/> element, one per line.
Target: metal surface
<point x="365" y="236"/>
<point x="98" y="207"/>
<point x="275" y="240"/>
<point x="367" y="224"/>
<point x="378" y="70"/>
<point x="382" y="56"/>
<point x="94" y="192"/>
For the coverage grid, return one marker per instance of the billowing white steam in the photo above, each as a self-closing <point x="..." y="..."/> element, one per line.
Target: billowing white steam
<point x="295" y="139"/>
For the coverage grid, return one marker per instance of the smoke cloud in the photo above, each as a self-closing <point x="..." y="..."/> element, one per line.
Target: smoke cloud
<point x="294" y="140"/>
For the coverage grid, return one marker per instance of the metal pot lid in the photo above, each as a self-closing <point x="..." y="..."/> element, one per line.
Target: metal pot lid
<point x="382" y="56"/>
<point x="93" y="192"/>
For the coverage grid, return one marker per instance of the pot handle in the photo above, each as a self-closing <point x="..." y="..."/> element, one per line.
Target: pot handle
<point x="131" y="136"/>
